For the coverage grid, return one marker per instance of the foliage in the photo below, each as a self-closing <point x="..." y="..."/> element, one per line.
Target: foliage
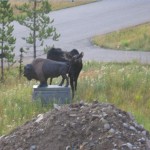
<point x="34" y="17"/>
<point x="134" y="38"/>
<point x="6" y="38"/>
<point x="125" y="85"/>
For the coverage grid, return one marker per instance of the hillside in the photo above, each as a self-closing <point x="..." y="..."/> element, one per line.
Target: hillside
<point x="79" y="126"/>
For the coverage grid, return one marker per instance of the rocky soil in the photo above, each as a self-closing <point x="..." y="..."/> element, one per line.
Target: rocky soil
<point x="96" y="126"/>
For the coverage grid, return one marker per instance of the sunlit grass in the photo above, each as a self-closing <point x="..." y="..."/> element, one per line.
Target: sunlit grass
<point x="16" y="105"/>
<point x="134" y="38"/>
<point x="125" y="85"/>
<point x="55" y="4"/>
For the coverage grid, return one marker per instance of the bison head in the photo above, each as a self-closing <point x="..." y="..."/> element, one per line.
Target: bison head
<point x="77" y="58"/>
<point x="29" y="72"/>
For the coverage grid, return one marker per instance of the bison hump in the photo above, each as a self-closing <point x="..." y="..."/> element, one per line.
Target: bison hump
<point x="53" y="68"/>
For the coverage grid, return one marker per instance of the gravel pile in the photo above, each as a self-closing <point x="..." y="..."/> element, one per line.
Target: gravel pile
<point x="96" y="126"/>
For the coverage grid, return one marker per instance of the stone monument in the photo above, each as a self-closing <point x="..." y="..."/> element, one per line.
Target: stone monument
<point x="43" y="69"/>
<point x="52" y="94"/>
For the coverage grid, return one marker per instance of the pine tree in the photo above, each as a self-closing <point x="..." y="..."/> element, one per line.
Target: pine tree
<point x="7" y="40"/>
<point x="35" y="18"/>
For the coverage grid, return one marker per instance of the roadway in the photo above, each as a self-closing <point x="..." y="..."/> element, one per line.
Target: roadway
<point x="78" y="25"/>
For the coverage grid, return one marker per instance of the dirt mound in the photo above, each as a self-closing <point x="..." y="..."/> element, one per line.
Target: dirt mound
<point x="96" y="126"/>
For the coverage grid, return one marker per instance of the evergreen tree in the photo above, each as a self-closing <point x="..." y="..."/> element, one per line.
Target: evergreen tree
<point x="35" y="18"/>
<point x="7" y="40"/>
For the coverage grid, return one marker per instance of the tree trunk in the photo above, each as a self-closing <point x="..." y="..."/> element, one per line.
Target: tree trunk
<point x="2" y="53"/>
<point x="34" y="31"/>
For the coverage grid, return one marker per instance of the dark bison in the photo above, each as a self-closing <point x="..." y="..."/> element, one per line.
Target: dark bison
<point x="42" y="69"/>
<point x="59" y="55"/>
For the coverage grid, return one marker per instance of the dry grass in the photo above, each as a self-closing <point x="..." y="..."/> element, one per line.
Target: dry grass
<point x="125" y="85"/>
<point x="134" y="38"/>
<point x="59" y="4"/>
<point x="55" y="4"/>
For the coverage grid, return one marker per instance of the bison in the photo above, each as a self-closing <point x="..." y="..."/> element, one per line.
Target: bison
<point x="59" y="55"/>
<point x="42" y="69"/>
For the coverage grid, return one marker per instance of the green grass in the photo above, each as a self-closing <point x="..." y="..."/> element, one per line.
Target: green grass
<point x="16" y="105"/>
<point x="132" y="39"/>
<point x="125" y="85"/>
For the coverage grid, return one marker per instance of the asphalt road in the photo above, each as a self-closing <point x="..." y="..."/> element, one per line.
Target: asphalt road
<point x="78" y="25"/>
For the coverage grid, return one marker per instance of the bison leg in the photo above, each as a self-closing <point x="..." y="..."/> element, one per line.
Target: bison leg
<point x="72" y="86"/>
<point x="62" y="81"/>
<point x="43" y="84"/>
<point x="50" y="81"/>
<point x="67" y="81"/>
<point x="76" y="81"/>
<point x="75" y="84"/>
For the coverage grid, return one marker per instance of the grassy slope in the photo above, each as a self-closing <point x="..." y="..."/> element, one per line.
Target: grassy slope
<point x="125" y="85"/>
<point x="134" y="38"/>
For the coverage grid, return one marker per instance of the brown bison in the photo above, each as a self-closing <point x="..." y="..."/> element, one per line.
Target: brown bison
<point x="42" y="69"/>
<point x="59" y="55"/>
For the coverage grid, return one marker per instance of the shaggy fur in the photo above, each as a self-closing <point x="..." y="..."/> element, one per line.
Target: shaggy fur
<point x="59" y="55"/>
<point x="42" y="69"/>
